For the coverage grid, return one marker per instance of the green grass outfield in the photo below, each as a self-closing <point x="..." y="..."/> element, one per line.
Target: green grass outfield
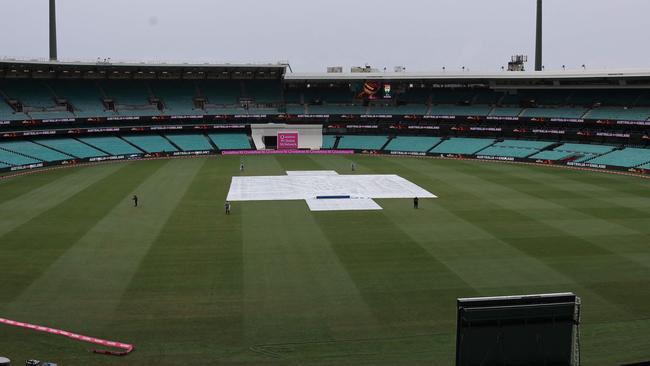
<point x="277" y="284"/>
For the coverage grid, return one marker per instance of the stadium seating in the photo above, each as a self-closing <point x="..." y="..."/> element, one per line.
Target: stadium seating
<point x="454" y="110"/>
<point x="230" y="141"/>
<point x="337" y="109"/>
<point x="177" y="96"/>
<point x="466" y="146"/>
<point x="557" y="112"/>
<point x="34" y="150"/>
<point x="7" y="113"/>
<point x="151" y="143"/>
<point x="413" y="109"/>
<point x="12" y="158"/>
<point x="220" y="92"/>
<point x="190" y="142"/>
<point x="3" y="165"/>
<point x="524" y="144"/>
<point x="505" y="112"/>
<point x="628" y="157"/>
<point x="412" y="143"/>
<point x="84" y="96"/>
<point x="71" y="147"/>
<point x="515" y="148"/>
<point x="112" y="145"/>
<point x="51" y="114"/>
<point x="362" y="142"/>
<point x="126" y="92"/>
<point x="31" y="93"/>
<point x="618" y="113"/>
<point x="263" y="91"/>
<point x="329" y="141"/>
<point x="296" y="109"/>
<point x="508" y="151"/>
<point x="585" y="148"/>
<point x="553" y="155"/>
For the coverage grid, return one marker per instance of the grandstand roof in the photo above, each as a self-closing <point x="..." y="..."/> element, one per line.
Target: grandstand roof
<point x="40" y="68"/>
<point x="541" y="77"/>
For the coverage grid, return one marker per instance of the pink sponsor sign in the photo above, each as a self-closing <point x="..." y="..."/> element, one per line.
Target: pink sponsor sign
<point x="287" y="140"/>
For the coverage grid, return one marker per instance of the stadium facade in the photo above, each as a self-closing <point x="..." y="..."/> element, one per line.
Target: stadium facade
<point x="54" y="113"/>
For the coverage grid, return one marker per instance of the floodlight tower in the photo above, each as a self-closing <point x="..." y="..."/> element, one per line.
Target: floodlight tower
<point x="53" y="30"/>
<point x="538" y="38"/>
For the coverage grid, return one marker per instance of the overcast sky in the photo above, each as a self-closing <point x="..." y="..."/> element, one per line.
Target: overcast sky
<point x="423" y="35"/>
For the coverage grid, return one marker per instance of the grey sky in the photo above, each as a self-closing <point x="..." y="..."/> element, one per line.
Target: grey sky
<point x="423" y="35"/>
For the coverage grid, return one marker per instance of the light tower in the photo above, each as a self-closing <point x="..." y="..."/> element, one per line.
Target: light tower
<point x="538" y="38"/>
<point x="53" y="30"/>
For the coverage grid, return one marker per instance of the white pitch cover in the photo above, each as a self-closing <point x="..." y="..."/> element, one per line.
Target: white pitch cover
<point x="308" y="185"/>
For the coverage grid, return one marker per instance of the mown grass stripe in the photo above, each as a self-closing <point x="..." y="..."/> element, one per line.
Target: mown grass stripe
<point x="30" y="249"/>
<point x="50" y="190"/>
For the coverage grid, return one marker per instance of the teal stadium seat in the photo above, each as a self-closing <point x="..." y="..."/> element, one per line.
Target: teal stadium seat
<point x="220" y="92"/>
<point x="337" y="109"/>
<point x="32" y="93"/>
<point x="72" y="147"/>
<point x="505" y="112"/>
<point x="51" y="115"/>
<point x="399" y="110"/>
<point x="628" y="157"/>
<point x="329" y="141"/>
<point x="177" y="96"/>
<point x="190" y="142"/>
<point x="231" y="141"/>
<point x="112" y="145"/>
<point x="12" y="158"/>
<point x="296" y="109"/>
<point x="412" y="143"/>
<point x="454" y="110"/>
<point x="362" y="142"/>
<point x="84" y="95"/>
<point x="553" y="155"/>
<point x="460" y="145"/>
<point x="524" y="144"/>
<point x="34" y="150"/>
<point x="3" y="165"/>
<point x="513" y="152"/>
<point x="7" y="113"/>
<point x="619" y="113"/>
<point x="559" y="112"/>
<point x="151" y="143"/>
<point x="585" y="148"/>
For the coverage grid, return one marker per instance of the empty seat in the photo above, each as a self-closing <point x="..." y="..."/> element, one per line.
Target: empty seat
<point x="412" y="143"/>
<point x="34" y="150"/>
<point x="230" y="141"/>
<point x="362" y="142"/>
<point x="72" y="147"/>
<point x="462" y="146"/>
<point x="112" y="145"/>
<point x="151" y="143"/>
<point x="190" y="142"/>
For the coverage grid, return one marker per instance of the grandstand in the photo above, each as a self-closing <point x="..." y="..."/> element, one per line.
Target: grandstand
<point x="467" y="146"/>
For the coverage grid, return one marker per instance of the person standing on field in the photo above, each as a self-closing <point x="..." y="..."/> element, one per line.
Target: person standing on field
<point x="241" y="166"/>
<point x="416" y="203"/>
<point x="135" y="200"/>
<point x="354" y="166"/>
<point x="227" y="207"/>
